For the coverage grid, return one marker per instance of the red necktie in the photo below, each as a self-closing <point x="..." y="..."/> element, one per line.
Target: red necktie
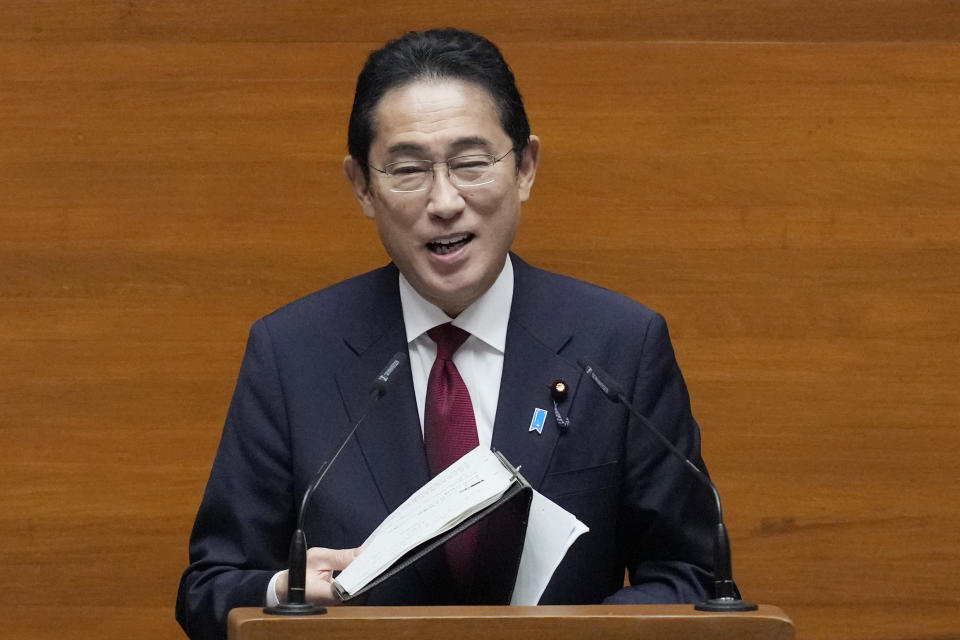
<point x="449" y="426"/>
<point x="450" y="431"/>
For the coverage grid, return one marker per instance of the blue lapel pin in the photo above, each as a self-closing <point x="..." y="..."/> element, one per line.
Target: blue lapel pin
<point x="539" y="417"/>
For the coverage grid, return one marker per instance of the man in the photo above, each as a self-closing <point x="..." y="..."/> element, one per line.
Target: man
<point x="441" y="159"/>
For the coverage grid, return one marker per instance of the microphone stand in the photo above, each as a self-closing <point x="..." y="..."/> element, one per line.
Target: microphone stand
<point x="296" y="604"/>
<point x="725" y="597"/>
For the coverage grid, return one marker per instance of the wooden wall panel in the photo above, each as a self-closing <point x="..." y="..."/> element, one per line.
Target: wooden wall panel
<point x="510" y="20"/>
<point x="778" y="178"/>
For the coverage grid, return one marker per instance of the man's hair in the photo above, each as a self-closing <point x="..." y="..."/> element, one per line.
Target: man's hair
<point x="437" y="54"/>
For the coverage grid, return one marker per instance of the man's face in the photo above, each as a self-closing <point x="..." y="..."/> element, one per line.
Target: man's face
<point x="449" y="242"/>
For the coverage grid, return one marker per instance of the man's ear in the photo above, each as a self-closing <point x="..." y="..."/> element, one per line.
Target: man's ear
<point x="529" y="161"/>
<point x="360" y="184"/>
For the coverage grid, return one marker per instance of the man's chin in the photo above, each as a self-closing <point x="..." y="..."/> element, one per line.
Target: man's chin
<point x="453" y="296"/>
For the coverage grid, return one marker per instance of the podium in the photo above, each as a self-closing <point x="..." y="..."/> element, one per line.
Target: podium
<point x="548" y="622"/>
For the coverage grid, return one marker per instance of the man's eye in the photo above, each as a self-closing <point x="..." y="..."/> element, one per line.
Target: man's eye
<point x="468" y="164"/>
<point x="409" y="169"/>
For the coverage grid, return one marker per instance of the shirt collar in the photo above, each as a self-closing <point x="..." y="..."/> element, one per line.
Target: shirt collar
<point x="486" y="318"/>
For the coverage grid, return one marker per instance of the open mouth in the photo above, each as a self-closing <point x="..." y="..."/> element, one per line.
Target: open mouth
<point x="449" y="245"/>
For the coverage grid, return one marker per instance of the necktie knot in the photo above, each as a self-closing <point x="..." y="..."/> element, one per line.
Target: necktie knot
<point x="448" y="338"/>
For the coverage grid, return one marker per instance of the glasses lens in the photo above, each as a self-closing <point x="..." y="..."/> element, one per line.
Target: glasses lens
<point x="413" y="175"/>
<point x="472" y="171"/>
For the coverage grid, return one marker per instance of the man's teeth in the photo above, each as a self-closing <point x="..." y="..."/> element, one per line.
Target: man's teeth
<point x="448" y="245"/>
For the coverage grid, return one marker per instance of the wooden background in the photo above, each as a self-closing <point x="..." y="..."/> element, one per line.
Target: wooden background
<point x="779" y="178"/>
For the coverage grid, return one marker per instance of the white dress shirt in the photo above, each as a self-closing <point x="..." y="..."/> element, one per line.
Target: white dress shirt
<point x="479" y="360"/>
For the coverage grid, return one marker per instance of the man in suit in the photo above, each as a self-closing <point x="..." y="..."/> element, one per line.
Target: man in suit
<point x="441" y="159"/>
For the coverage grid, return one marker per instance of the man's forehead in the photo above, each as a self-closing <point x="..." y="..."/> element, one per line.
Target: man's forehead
<point x="425" y="115"/>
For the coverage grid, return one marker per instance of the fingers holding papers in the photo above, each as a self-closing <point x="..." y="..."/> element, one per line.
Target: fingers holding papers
<point x="321" y="563"/>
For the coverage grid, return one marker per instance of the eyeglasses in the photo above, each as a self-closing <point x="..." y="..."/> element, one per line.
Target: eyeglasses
<point x="464" y="172"/>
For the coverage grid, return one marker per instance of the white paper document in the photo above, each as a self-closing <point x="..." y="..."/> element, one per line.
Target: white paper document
<point x="469" y="485"/>
<point x="550" y="532"/>
<point x="473" y="482"/>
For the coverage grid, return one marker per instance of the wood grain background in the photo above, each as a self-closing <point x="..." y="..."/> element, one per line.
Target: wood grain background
<point x="779" y="178"/>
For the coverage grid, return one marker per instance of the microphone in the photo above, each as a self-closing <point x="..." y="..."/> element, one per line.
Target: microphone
<point x="296" y="604"/>
<point x="725" y="597"/>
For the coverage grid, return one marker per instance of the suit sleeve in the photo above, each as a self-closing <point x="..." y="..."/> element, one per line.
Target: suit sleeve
<point x="244" y="523"/>
<point x="667" y="516"/>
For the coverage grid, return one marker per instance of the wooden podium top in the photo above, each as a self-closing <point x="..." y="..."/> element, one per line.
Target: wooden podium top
<point x="593" y="622"/>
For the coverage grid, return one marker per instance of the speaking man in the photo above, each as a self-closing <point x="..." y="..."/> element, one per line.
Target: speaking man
<point x="441" y="159"/>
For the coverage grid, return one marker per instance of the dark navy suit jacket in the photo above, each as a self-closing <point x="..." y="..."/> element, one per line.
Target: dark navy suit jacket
<point x="306" y="374"/>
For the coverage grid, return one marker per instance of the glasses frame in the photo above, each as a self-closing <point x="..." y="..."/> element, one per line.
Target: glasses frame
<point x="433" y="170"/>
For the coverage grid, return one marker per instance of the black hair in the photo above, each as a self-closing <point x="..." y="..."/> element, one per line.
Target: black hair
<point x="433" y="55"/>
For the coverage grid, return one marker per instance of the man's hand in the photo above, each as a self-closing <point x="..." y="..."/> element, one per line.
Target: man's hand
<point x="321" y="563"/>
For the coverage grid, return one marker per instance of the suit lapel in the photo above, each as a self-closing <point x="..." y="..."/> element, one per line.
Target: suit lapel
<point x="535" y="338"/>
<point x="390" y="438"/>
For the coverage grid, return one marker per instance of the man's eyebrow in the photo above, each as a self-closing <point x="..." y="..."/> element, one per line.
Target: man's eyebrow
<point x="470" y="141"/>
<point x="405" y="147"/>
<point x="457" y="145"/>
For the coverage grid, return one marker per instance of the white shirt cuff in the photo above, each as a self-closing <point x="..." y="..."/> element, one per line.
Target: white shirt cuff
<point x="272" y="599"/>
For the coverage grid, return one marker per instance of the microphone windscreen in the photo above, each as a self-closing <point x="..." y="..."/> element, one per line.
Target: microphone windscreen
<point x="380" y="383"/>
<point x="602" y="379"/>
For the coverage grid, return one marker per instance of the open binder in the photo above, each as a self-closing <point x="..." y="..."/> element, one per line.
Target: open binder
<point x="500" y="529"/>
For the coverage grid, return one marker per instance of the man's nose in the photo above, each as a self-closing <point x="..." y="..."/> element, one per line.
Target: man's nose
<point x="445" y="199"/>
